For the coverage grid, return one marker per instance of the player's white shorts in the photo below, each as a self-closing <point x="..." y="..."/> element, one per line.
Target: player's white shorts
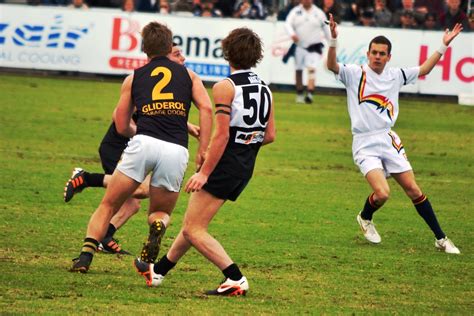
<point x="166" y="161"/>
<point x="305" y="59"/>
<point x="381" y="150"/>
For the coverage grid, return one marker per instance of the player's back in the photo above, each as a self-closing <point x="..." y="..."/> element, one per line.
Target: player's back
<point x="248" y="120"/>
<point x="162" y="94"/>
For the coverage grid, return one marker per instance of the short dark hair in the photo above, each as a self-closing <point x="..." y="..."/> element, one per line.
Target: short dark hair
<point x="381" y="40"/>
<point x="157" y="39"/>
<point x="242" y="48"/>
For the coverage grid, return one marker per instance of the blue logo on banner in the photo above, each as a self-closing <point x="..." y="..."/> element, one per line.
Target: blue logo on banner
<point x="209" y="69"/>
<point x="42" y="35"/>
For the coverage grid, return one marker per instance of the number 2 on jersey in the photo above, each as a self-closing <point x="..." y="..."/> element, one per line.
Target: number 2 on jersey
<point x="256" y="104"/>
<point x="156" y="94"/>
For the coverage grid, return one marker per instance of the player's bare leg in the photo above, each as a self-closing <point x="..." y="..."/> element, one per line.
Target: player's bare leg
<point x="162" y="203"/>
<point x="118" y="191"/>
<point x="311" y="85"/>
<point x="299" y="86"/>
<point x="201" y="209"/>
<point x="381" y="191"/>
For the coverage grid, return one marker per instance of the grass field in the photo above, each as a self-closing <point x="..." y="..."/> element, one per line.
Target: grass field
<point x="293" y="231"/>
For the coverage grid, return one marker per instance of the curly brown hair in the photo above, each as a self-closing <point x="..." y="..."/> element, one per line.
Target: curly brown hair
<point x="242" y="48"/>
<point x="157" y="39"/>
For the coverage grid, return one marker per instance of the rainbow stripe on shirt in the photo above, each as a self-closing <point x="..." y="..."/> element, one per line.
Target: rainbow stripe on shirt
<point x="381" y="102"/>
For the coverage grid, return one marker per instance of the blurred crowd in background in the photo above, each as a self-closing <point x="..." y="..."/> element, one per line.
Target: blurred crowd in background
<point x="408" y="14"/>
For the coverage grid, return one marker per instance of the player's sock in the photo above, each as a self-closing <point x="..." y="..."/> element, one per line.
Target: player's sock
<point x="163" y="266"/>
<point x="232" y="272"/>
<point x="89" y="247"/>
<point x="110" y="231"/>
<point x="369" y="208"/>
<point x="423" y="207"/>
<point x="94" y="179"/>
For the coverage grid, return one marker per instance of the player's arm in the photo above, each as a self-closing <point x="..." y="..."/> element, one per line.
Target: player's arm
<point x="332" y="58"/>
<point x="289" y="26"/>
<point x="202" y="101"/>
<point x="270" y="131"/>
<point x="124" y="110"/>
<point x="223" y="93"/>
<point x="448" y="36"/>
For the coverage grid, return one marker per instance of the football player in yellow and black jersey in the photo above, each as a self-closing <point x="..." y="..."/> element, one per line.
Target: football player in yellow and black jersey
<point x="110" y="150"/>
<point x="161" y="93"/>
<point x="244" y="122"/>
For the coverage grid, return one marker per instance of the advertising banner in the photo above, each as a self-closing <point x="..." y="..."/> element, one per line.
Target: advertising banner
<point x="107" y="41"/>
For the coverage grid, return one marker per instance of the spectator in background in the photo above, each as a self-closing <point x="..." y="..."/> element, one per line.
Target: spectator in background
<point x="250" y="9"/>
<point x="367" y="17"/>
<point x="226" y="7"/>
<point x="349" y="10"/>
<point x="164" y="7"/>
<point x="407" y="20"/>
<point x="206" y="8"/>
<point x="431" y="21"/>
<point x="78" y="4"/>
<point x="383" y="16"/>
<point x="407" y="5"/>
<point x="333" y="7"/>
<point x="453" y="15"/>
<point x="147" y="5"/>
<point x="426" y="6"/>
<point x="283" y="13"/>
<point x="471" y="20"/>
<point x="128" y="6"/>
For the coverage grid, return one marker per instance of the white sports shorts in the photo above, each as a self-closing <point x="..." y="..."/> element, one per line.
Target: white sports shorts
<point x="305" y="59"/>
<point x="383" y="150"/>
<point x="166" y="161"/>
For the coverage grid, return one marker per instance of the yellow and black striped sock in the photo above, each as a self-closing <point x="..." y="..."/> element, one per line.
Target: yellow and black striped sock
<point x="89" y="246"/>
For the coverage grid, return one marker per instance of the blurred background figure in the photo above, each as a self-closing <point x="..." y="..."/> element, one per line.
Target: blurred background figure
<point x="333" y="7"/>
<point x="206" y="8"/>
<point x="382" y="15"/>
<point x="367" y="17"/>
<point x="283" y="13"/>
<point x="407" y="5"/>
<point x="128" y="6"/>
<point x="305" y="25"/>
<point x="164" y="7"/>
<point x="226" y="7"/>
<point x="147" y="5"/>
<point x="78" y="4"/>
<point x="431" y="21"/>
<point x="453" y="15"/>
<point x="250" y="9"/>
<point x="407" y="20"/>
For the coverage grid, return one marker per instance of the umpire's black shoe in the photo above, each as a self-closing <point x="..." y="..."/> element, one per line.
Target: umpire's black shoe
<point x="75" y="184"/>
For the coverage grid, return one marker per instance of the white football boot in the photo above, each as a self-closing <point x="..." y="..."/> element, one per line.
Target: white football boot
<point x="447" y="246"/>
<point x="146" y="270"/>
<point x="231" y="288"/>
<point x="368" y="228"/>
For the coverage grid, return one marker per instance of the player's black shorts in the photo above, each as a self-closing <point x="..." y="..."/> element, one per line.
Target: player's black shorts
<point x="110" y="155"/>
<point x="225" y="186"/>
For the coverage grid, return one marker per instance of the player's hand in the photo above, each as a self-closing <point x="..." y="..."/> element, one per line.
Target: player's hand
<point x="195" y="183"/>
<point x="295" y="38"/>
<point x="332" y="26"/>
<point x="194" y="130"/>
<point x="450" y="35"/>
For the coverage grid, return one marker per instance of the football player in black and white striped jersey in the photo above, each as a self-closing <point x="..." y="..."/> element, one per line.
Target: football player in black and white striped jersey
<point x="244" y="122"/>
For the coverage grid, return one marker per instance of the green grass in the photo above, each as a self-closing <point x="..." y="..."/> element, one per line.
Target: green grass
<point x="293" y="230"/>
